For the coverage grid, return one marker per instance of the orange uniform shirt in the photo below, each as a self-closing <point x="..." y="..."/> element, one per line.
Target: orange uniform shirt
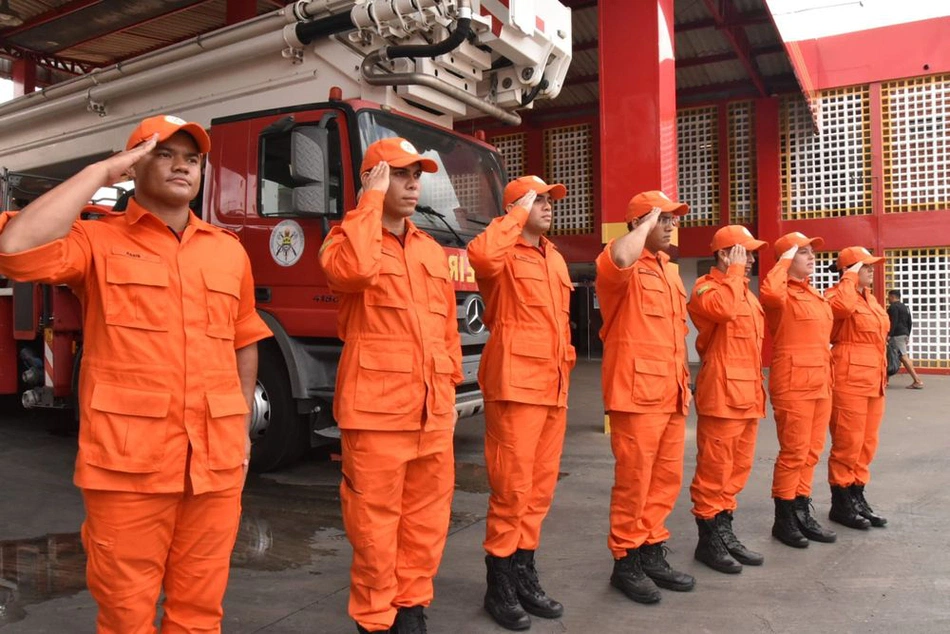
<point x="161" y="322"/>
<point x="644" y="335"/>
<point x="527" y="291"/>
<point x="402" y="356"/>
<point x="858" y="339"/>
<point x="800" y="321"/>
<point x="731" y="326"/>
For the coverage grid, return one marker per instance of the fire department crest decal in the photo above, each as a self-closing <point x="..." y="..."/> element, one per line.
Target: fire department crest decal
<point x="286" y="243"/>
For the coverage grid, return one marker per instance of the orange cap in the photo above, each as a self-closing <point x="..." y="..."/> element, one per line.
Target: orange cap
<point x="796" y="239"/>
<point x="731" y="235"/>
<point x="853" y="255"/>
<point x="165" y="125"/>
<point x="521" y="186"/>
<point x="641" y="204"/>
<point x="396" y="151"/>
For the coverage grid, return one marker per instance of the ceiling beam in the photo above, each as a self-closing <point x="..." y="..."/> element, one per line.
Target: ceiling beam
<point x="779" y="83"/>
<point x="751" y="18"/>
<point x="49" y="16"/>
<point x="577" y="5"/>
<point x="52" y="62"/>
<point x="722" y="13"/>
<point x="687" y="62"/>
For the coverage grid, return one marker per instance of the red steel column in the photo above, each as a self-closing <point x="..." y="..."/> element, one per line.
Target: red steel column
<point x="768" y="174"/>
<point x="240" y="10"/>
<point x="637" y="105"/>
<point x="23" y="75"/>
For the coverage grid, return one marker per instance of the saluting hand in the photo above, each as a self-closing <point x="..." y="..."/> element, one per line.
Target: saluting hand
<point x="788" y="255"/>
<point x="649" y="221"/>
<point x="736" y="255"/>
<point x="527" y="201"/>
<point x="118" y="165"/>
<point x="377" y="179"/>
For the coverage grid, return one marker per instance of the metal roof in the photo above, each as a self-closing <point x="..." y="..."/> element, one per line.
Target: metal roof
<point x="724" y="48"/>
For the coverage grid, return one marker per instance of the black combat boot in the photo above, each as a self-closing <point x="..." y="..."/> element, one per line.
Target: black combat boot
<point x="843" y="511"/>
<point x="807" y="523"/>
<point x="653" y="561"/>
<point x="410" y="621"/>
<point x="736" y="548"/>
<point x="629" y="578"/>
<point x="863" y="508"/>
<point x="501" y="599"/>
<point x="711" y="551"/>
<point x="785" y="528"/>
<point x="530" y="593"/>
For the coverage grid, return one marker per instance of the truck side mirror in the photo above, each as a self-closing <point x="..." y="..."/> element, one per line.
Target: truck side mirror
<point x="310" y="170"/>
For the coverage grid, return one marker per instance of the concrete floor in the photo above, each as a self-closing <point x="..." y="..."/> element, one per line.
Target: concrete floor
<point x="290" y="566"/>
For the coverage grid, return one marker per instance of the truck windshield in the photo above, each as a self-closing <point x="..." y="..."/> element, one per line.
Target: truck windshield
<point x="459" y="200"/>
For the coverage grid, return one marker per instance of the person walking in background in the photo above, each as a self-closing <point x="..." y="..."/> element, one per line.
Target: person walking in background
<point x="860" y="373"/>
<point x="646" y="393"/>
<point x="395" y="396"/>
<point x="800" y="321"/>
<point x="901" y="326"/>
<point x="730" y="398"/>
<point x="524" y="375"/>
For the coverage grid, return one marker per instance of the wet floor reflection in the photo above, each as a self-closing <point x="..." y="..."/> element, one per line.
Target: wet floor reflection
<point x="283" y="525"/>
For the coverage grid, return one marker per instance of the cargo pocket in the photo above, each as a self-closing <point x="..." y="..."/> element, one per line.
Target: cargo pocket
<point x="437" y="277"/>
<point x="742" y="387"/>
<point x="136" y="293"/>
<point x="384" y="382"/>
<point x="227" y="429"/>
<point x="128" y="428"/>
<point x="866" y="370"/>
<point x="444" y="387"/>
<point x="810" y="372"/>
<point x="223" y="294"/>
<point x="531" y="364"/>
<point x="651" y="380"/>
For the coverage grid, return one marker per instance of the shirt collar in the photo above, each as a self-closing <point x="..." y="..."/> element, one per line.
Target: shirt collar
<point x="134" y="213"/>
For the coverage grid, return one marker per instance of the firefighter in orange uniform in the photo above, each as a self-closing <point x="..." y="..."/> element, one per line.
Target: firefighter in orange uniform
<point x="168" y="372"/>
<point x="800" y="320"/>
<point x="646" y="393"/>
<point x="730" y="398"/>
<point x="524" y="376"/>
<point x="858" y="340"/>
<point x="395" y="391"/>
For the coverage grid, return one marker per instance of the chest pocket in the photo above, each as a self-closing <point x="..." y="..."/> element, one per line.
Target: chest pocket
<point x="805" y="306"/>
<point x="653" y="295"/>
<point x="136" y="293"/>
<point x="437" y="276"/>
<point x="223" y="294"/>
<point x="743" y="326"/>
<point x="865" y="320"/>
<point x="390" y="288"/>
<point x="530" y="280"/>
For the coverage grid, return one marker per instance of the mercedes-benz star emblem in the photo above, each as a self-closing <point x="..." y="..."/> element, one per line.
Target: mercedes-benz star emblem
<point x="474" y="315"/>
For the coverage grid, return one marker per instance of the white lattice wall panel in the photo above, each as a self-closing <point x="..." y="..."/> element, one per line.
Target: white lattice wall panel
<point x="568" y="160"/>
<point x="823" y="278"/>
<point x="923" y="277"/>
<point x="742" y="189"/>
<point x="916" y="124"/>
<point x="828" y="174"/>
<point x="511" y="148"/>
<point x="697" y="144"/>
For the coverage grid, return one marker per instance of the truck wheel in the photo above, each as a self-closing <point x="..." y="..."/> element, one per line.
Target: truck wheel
<point x="278" y="432"/>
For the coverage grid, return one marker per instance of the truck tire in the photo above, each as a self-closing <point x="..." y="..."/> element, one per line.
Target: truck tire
<point x="279" y="434"/>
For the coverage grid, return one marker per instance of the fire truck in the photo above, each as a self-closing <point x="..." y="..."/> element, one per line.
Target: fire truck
<point x="291" y="100"/>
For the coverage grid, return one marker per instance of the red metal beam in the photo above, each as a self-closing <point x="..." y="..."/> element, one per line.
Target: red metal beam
<point x="751" y="18"/>
<point x="725" y="57"/>
<point x="239" y="11"/>
<point x="581" y="79"/>
<point x="723" y="12"/>
<point x="162" y="44"/>
<point x="577" y="5"/>
<point x="49" y="16"/>
<point x="585" y="46"/>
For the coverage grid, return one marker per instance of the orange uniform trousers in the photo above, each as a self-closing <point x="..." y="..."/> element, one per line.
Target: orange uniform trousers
<point x="523" y="445"/>
<point x="396" y="496"/>
<point x="648" y="453"/>
<point x="725" y="451"/>
<point x="855" y="423"/>
<point x="801" y="426"/>
<point x="138" y="543"/>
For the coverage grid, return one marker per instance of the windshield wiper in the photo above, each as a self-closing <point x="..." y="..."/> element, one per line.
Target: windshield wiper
<point x="425" y="210"/>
